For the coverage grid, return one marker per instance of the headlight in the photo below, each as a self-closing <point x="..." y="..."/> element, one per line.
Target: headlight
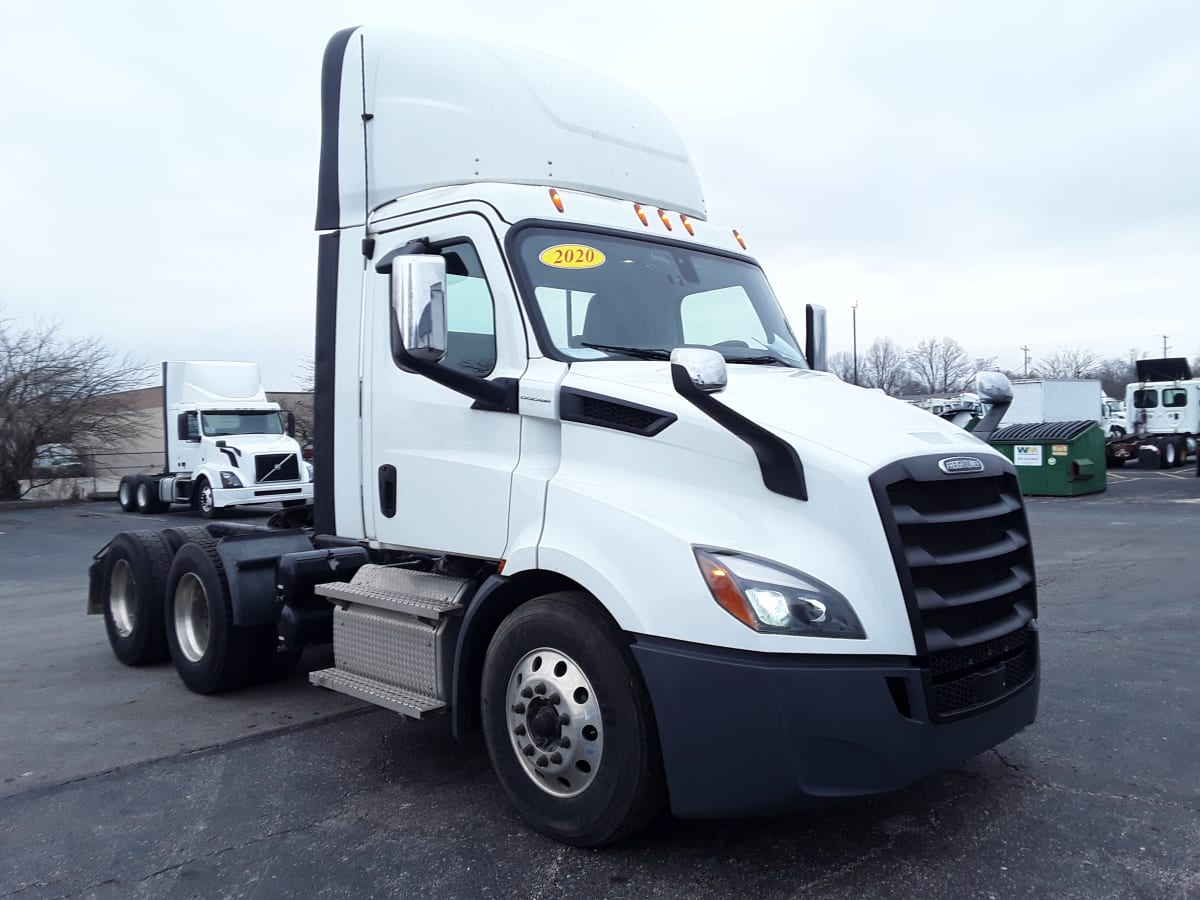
<point x="230" y="480"/>
<point x="308" y="468"/>
<point x="774" y="599"/>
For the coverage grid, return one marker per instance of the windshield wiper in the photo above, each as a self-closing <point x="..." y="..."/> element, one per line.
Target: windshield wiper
<point x="637" y="352"/>
<point x="760" y="361"/>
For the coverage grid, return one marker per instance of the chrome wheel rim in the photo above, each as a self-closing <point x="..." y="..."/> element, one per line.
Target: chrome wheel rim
<point x="206" y="500"/>
<point x="143" y="496"/>
<point x="121" y="604"/>
<point x="554" y="722"/>
<point x="191" y="617"/>
<point x="124" y="495"/>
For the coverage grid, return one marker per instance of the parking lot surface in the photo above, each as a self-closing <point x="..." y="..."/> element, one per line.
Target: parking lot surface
<point x="116" y="782"/>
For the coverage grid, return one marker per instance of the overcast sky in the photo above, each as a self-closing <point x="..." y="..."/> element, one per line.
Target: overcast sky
<point x="1006" y="174"/>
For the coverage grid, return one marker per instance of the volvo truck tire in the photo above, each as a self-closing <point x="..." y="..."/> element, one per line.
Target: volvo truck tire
<point x="134" y="579"/>
<point x="204" y="499"/>
<point x="146" y="496"/>
<point x="568" y="723"/>
<point x="127" y="493"/>
<point x="210" y="653"/>
<point x="179" y="535"/>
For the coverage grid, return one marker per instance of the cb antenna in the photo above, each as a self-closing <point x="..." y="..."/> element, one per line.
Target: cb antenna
<point x="368" y="244"/>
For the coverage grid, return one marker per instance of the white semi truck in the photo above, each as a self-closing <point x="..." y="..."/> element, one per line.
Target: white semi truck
<point x="580" y="488"/>
<point x="226" y="445"/>
<point x="1162" y="409"/>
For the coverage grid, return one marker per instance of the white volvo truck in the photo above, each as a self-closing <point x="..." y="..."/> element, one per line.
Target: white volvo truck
<point x="579" y="487"/>
<point x="226" y="445"/>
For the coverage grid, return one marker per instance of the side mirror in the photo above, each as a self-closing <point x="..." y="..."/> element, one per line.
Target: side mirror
<point x="705" y="368"/>
<point x="418" y="294"/>
<point x="814" y="338"/>
<point x="291" y="424"/>
<point x="993" y="387"/>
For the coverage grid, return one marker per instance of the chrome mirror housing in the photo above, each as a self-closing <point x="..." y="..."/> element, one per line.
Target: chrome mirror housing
<point x="705" y="368"/>
<point x="993" y="387"/>
<point x="418" y="293"/>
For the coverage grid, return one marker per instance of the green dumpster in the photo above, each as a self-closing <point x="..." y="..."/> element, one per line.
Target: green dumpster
<point x="1055" y="459"/>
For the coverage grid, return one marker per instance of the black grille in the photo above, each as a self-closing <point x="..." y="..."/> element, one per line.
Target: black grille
<point x="964" y="561"/>
<point x="271" y="467"/>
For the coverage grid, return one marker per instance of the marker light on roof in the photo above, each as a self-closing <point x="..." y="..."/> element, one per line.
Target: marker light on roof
<point x="556" y="199"/>
<point x="641" y="214"/>
<point x="662" y="215"/>
<point x="737" y="235"/>
<point x="687" y="223"/>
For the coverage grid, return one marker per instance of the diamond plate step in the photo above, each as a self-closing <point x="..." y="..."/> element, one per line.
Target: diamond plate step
<point x="421" y="594"/>
<point x="408" y="703"/>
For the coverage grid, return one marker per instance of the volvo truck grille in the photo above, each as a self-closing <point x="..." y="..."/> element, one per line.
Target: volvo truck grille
<point x="961" y="547"/>
<point x="271" y="467"/>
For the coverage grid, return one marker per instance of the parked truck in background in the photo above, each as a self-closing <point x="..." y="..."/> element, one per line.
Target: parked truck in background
<point x="226" y="445"/>
<point x="1162" y="409"/>
<point x="580" y="487"/>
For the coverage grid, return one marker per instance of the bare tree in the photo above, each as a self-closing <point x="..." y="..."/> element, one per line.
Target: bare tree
<point x="939" y="364"/>
<point x="1114" y="373"/>
<point x="841" y="364"/>
<point x="885" y="367"/>
<point x="57" y="390"/>
<point x="1073" y="363"/>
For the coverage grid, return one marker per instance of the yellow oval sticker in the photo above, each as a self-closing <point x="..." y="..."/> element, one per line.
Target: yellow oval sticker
<point x="571" y="256"/>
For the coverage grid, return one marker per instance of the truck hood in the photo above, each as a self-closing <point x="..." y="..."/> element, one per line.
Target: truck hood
<point x="804" y="406"/>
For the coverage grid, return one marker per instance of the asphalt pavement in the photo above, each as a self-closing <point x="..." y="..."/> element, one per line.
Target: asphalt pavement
<point x="117" y="782"/>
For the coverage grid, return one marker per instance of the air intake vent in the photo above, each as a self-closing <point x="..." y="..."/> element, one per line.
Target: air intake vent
<point x="607" y="412"/>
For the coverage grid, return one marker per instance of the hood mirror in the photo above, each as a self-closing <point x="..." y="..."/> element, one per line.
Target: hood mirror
<point x="995" y="390"/>
<point x="705" y="368"/>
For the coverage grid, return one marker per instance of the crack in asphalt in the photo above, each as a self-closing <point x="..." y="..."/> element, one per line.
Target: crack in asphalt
<point x="1080" y="792"/>
<point x="209" y="750"/>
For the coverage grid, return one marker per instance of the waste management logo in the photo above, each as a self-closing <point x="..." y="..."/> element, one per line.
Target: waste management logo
<point x="1027" y="454"/>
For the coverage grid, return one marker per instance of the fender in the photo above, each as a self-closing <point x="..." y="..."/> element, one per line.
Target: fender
<point x="250" y="562"/>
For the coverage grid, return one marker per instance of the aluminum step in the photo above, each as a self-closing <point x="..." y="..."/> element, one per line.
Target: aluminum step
<point x="407" y="703"/>
<point x="421" y="594"/>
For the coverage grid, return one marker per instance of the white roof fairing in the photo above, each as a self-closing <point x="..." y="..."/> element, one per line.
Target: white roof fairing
<point x="445" y="109"/>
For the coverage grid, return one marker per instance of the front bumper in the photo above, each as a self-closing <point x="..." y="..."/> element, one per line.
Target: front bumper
<point x="262" y="493"/>
<point x="749" y="734"/>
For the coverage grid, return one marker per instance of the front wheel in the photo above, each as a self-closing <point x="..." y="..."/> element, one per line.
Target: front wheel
<point x="204" y="499"/>
<point x="568" y="723"/>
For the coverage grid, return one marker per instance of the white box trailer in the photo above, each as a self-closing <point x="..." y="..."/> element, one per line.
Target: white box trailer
<point x="1055" y="400"/>
<point x="226" y="444"/>
<point x="582" y="489"/>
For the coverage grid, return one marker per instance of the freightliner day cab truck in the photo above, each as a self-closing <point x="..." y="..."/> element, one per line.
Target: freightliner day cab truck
<point x="226" y="445"/>
<point x="1163" y="412"/>
<point x="578" y="486"/>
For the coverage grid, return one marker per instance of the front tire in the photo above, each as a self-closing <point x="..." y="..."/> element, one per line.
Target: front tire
<point x="210" y="653"/>
<point x="204" y="499"/>
<point x="568" y="723"/>
<point x="134" y="583"/>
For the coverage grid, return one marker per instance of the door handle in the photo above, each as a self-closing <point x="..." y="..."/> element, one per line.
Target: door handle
<point x="387" y="491"/>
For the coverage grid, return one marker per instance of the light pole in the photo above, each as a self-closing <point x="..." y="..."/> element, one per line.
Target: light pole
<point x="854" y="334"/>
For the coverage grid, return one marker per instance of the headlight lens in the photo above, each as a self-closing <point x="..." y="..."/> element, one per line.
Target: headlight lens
<point x="309" y="469"/>
<point x="230" y="480"/>
<point x="774" y="599"/>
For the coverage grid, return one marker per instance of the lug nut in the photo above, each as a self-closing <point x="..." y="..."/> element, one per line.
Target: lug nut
<point x="554" y="698"/>
<point x="519" y="708"/>
<point x="526" y="693"/>
<point x="539" y="689"/>
<point x="564" y="719"/>
<point x="519" y="730"/>
<point x="542" y="762"/>
<point x="527" y="749"/>
<point x="564" y="742"/>
<point x="556" y="758"/>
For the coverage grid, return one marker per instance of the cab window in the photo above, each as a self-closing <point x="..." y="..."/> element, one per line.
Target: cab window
<point x="470" y="317"/>
<point x="1146" y="398"/>
<point x="1174" y="397"/>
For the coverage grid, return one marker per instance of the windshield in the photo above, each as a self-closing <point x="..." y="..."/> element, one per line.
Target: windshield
<point x="226" y="422"/>
<point x="602" y="296"/>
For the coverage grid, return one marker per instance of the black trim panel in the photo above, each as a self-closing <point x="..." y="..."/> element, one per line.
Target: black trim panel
<point x="324" y="380"/>
<point x="826" y="727"/>
<point x="328" y="190"/>
<point x="602" y="411"/>
<point x="782" y="470"/>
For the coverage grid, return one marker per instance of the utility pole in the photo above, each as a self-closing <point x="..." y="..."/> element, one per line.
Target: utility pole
<point x="1164" y="346"/>
<point x="1026" y="349"/>
<point x="854" y="333"/>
